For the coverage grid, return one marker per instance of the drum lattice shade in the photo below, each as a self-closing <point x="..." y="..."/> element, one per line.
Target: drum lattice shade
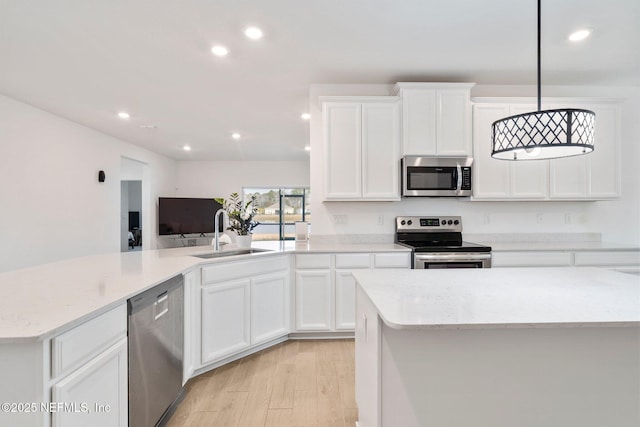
<point x="543" y="134"/>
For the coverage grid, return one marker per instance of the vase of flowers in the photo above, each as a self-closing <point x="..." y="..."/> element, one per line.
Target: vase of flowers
<point x="241" y="217"/>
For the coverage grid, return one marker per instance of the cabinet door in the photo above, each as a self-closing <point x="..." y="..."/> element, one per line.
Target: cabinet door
<point x="343" y="152"/>
<point x="453" y="122"/>
<point x="604" y="162"/>
<point x="490" y="176"/>
<point x="568" y="178"/>
<point x="594" y="176"/>
<point x="313" y="300"/>
<point x="101" y="386"/>
<point x="419" y="121"/>
<point x="500" y="179"/>
<point x="225" y="319"/>
<point x="345" y="300"/>
<point x="269" y="307"/>
<point x="380" y="151"/>
<point x="529" y="179"/>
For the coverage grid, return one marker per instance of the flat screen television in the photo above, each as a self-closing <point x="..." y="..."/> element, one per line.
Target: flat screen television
<point x="182" y="215"/>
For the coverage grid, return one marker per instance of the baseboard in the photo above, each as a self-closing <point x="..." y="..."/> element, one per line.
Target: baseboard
<point x="321" y="335"/>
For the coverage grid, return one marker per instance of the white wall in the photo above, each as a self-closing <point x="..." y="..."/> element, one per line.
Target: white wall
<point x="52" y="205"/>
<point x="220" y="179"/>
<point x="617" y="221"/>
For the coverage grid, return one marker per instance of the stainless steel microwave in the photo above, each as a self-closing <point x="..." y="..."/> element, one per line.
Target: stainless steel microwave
<point x="433" y="176"/>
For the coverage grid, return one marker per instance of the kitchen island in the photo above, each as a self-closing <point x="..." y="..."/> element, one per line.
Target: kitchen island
<point x="498" y="347"/>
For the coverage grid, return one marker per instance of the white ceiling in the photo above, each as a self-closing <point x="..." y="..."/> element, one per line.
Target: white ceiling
<point x="87" y="60"/>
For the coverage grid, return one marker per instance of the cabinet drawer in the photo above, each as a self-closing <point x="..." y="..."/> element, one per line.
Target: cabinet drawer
<point x="398" y="260"/>
<point x="608" y="258"/>
<point x="83" y="342"/>
<point x="352" y="260"/>
<point x="313" y="261"/>
<point x="245" y="268"/>
<point x="531" y="259"/>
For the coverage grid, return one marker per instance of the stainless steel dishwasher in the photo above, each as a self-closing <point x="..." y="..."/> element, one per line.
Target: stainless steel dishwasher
<point x="156" y="329"/>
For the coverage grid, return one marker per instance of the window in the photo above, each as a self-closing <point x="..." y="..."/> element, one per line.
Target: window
<point x="278" y="210"/>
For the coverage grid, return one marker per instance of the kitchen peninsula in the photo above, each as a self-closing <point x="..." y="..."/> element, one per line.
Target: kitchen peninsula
<point x="498" y="347"/>
<point x="63" y="325"/>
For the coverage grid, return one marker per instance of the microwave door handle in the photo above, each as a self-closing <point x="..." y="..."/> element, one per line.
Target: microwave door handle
<point x="459" y="178"/>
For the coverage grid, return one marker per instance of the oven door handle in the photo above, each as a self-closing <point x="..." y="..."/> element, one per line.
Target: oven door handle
<point x="452" y="257"/>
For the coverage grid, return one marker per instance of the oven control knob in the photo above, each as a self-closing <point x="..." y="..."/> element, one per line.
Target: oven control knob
<point x="456" y="222"/>
<point x="450" y="222"/>
<point x="409" y="222"/>
<point x="444" y="222"/>
<point x="403" y="222"/>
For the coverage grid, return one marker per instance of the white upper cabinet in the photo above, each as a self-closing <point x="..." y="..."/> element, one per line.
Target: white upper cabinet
<point x="595" y="176"/>
<point x="436" y="118"/>
<point x="361" y="148"/>
<point x="500" y="179"/>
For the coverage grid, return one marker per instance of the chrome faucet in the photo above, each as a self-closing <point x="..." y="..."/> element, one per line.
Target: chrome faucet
<point x="216" y="232"/>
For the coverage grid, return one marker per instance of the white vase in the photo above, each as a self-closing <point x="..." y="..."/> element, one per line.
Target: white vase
<point x="243" y="241"/>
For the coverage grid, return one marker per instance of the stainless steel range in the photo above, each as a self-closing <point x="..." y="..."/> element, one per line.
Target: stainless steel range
<point x="437" y="243"/>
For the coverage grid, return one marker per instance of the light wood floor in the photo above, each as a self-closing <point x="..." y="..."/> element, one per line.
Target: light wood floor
<point x="296" y="383"/>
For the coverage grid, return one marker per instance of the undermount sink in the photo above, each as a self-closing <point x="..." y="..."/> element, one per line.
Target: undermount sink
<point x="230" y="252"/>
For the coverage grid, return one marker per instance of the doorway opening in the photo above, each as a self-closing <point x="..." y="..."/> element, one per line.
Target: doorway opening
<point x="131" y="215"/>
<point x="134" y="205"/>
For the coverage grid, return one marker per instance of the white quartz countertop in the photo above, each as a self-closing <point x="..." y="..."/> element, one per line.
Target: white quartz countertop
<point x="39" y="302"/>
<point x="503" y="298"/>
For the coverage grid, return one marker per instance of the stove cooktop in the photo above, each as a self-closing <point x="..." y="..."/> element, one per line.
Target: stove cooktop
<point x="434" y="234"/>
<point x="445" y="247"/>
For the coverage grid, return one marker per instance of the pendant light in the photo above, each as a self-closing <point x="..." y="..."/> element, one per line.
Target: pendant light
<point x="542" y="134"/>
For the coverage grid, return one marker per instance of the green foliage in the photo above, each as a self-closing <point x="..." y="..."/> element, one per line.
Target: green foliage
<point x="241" y="215"/>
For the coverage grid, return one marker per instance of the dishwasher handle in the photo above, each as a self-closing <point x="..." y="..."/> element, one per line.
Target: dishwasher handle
<point x="156" y="296"/>
<point x="161" y="305"/>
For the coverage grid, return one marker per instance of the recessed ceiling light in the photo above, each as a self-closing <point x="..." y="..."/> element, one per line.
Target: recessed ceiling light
<point x="253" y="33"/>
<point x="579" y="35"/>
<point x="235" y="135"/>
<point x="219" y="50"/>
<point x="148" y="127"/>
<point x="305" y="116"/>
<point x="186" y="148"/>
<point x="307" y="148"/>
<point x="123" y="115"/>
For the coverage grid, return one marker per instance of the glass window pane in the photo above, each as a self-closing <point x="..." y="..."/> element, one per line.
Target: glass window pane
<point x="274" y="210"/>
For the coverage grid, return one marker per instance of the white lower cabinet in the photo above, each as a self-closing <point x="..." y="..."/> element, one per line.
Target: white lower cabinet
<point x="96" y="393"/>
<point x="78" y="377"/>
<point x="313" y="300"/>
<point x="345" y="300"/>
<point x="532" y="259"/>
<point x="225" y="319"/>
<point x="623" y="261"/>
<point x="243" y="304"/>
<point x="620" y="260"/>
<point x="325" y="287"/>
<point x="269" y="307"/>
<point x="90" y="374"/>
